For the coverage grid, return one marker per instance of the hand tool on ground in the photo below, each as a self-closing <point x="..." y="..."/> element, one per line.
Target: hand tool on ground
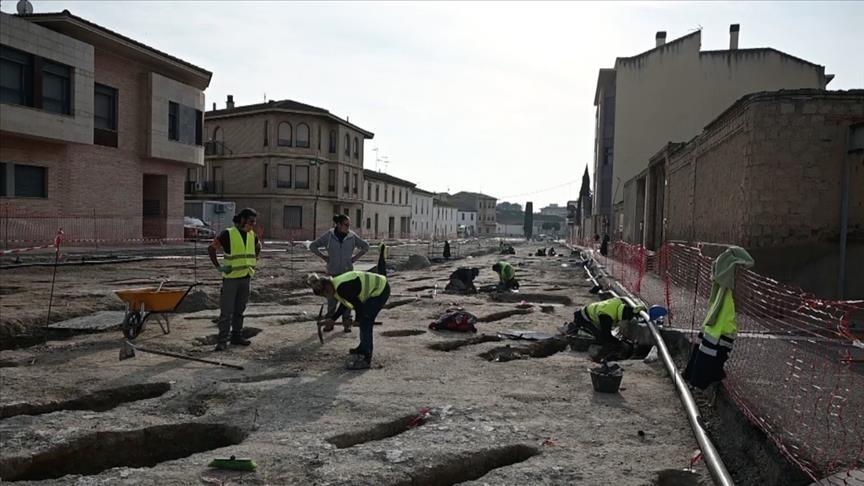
<point x="320" y="322"/>
<point x="127" y="350"/>
<point x="233" y="464"/>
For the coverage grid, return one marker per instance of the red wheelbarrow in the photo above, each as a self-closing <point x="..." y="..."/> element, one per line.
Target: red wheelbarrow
<point x="141" y="304"/>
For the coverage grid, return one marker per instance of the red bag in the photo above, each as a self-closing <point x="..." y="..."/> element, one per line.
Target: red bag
<point x="459" y="321"/>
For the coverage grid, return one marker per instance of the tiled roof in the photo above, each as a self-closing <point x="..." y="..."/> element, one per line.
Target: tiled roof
<point x="39" y="18"/>
<point x="371" y="174"/>
<point x="283" y="105"/>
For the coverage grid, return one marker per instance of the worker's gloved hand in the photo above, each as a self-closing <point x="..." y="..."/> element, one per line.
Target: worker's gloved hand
<point x="226" y="269"/>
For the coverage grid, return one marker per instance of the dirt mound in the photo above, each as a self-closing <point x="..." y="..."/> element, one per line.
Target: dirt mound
<point x="198" y="300"/>
<point x="416" y="262"/>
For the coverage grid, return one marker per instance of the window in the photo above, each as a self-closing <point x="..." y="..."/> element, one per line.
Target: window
<point x="292" y="217"/>
<point x="377" y="187"/>
<point x="319" y="138"/>
<point x="318" y="178"/>
<point x="217" y="134"/>
<point x="347" y="144"/>
<point x="301" y="174"/>
<point x="331" y="180"/>
<point x="356" y="148"/>
<point x="283" y="136"/>
<point x="56" y="88"/>
<point x="400" y="196"/>
<point x="26" y="180"/>
<point x="393" y="195"/>
<point x="173" y="121"/>
<point x="16" y="77"/>
<point x="303" y="135"/>
<point x="332" y="141"/>
<point x="368" y="191"/>
<point x="355" y="187"/>
<point x="472" y="216"/>
<point x="359" y="216"/>
<point x="385" y="193"/>
<point x="266" y="133"/>
<point x="463" y="216"/>
<point x="266" y="166"/>
<point x="283" y="176"/>
<point x="368" y="223"/>
<point x="104" y="115"/>
<point x="347" y="180"/>
<point x="199" y="127"/>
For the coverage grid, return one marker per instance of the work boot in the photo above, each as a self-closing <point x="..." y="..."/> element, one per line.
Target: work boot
<point x="220" y="346"/>
<point x="240" y="341"/>
<point x="355" y="350"/>
<point x="346" y="325"/>
<point x="327" y="327"/>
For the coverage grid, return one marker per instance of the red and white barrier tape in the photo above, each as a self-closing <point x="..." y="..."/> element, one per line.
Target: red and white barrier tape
<point x="58" y="240"/>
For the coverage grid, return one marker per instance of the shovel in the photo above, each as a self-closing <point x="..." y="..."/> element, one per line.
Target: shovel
<point x="127" y="350"/>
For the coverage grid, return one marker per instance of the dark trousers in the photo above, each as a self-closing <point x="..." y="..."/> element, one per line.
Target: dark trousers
<point x="232" y="304"/>
<point x="366" y="318"/>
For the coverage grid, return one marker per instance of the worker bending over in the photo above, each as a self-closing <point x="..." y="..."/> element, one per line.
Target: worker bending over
<point x="506" y="275"/>
<point x="599" y="318"/>
<point x="363" y="292"/>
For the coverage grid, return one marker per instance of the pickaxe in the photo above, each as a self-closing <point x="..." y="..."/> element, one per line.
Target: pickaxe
<point x="127" y="350"/>
<point x="320" y="323"/>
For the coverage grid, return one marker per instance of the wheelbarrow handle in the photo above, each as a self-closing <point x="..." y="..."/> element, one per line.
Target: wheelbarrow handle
<point x="190" y="358"/>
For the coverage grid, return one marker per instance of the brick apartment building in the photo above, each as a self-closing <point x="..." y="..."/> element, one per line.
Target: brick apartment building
<point x="298" y="165"/>
<point x="767" y="174"/>
<point x="669" y="93"/>
<point x="93" y="124"/>
<point x="386" y="207"/>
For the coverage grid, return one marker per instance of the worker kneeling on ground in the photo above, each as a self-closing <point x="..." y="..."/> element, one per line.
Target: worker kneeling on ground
<point x="599" y="318"/>
<point x="363" y="292"/>
<point x="462" y="281"/>
<point x="506" y="275"/>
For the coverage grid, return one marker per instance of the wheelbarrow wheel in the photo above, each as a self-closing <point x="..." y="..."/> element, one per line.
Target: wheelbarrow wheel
<point x="132" y="325"/>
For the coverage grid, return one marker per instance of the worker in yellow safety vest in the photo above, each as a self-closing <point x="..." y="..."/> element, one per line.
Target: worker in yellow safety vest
<point x="240" y="249"/>
<point x="719" y="329"/>
<point x="506" y="276"/>
<point x="599" y="318"/>
<point x="365" y="293"/>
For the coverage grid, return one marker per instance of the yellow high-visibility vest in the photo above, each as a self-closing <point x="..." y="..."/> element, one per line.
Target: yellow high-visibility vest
<point x="242" y="259"/>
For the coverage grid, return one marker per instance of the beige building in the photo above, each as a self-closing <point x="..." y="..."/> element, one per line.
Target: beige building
<point x="96" y="134"/>
<point x="386" y="207"/>
<point x="467" y="219"/>
<point x="484" y="206"/>
<point x="297" y="165"/>
<point x="421" y="214"/>
<point x="768" y="175"/>
<point x="668" y="94"/>
<point x="445" y="222"/>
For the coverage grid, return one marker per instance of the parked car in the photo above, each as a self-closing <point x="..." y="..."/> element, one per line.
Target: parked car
<point x="194" y="228"/>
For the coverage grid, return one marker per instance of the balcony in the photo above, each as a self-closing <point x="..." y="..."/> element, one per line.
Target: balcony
<point x="205" y="187"/>
<point x="215" y="148"/>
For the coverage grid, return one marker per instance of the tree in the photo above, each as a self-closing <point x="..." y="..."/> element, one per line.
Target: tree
<point x="528" y="227"/>
<point x="506" y="206"/>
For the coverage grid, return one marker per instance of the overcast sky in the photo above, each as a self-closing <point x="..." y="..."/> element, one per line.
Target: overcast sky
<point x="491" y="97"/>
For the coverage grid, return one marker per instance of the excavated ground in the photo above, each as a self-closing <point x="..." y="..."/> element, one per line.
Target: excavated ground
<point x="431" y="411"/>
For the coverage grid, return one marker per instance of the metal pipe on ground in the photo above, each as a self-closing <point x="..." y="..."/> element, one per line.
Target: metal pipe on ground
<point x="715" y="465"/>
